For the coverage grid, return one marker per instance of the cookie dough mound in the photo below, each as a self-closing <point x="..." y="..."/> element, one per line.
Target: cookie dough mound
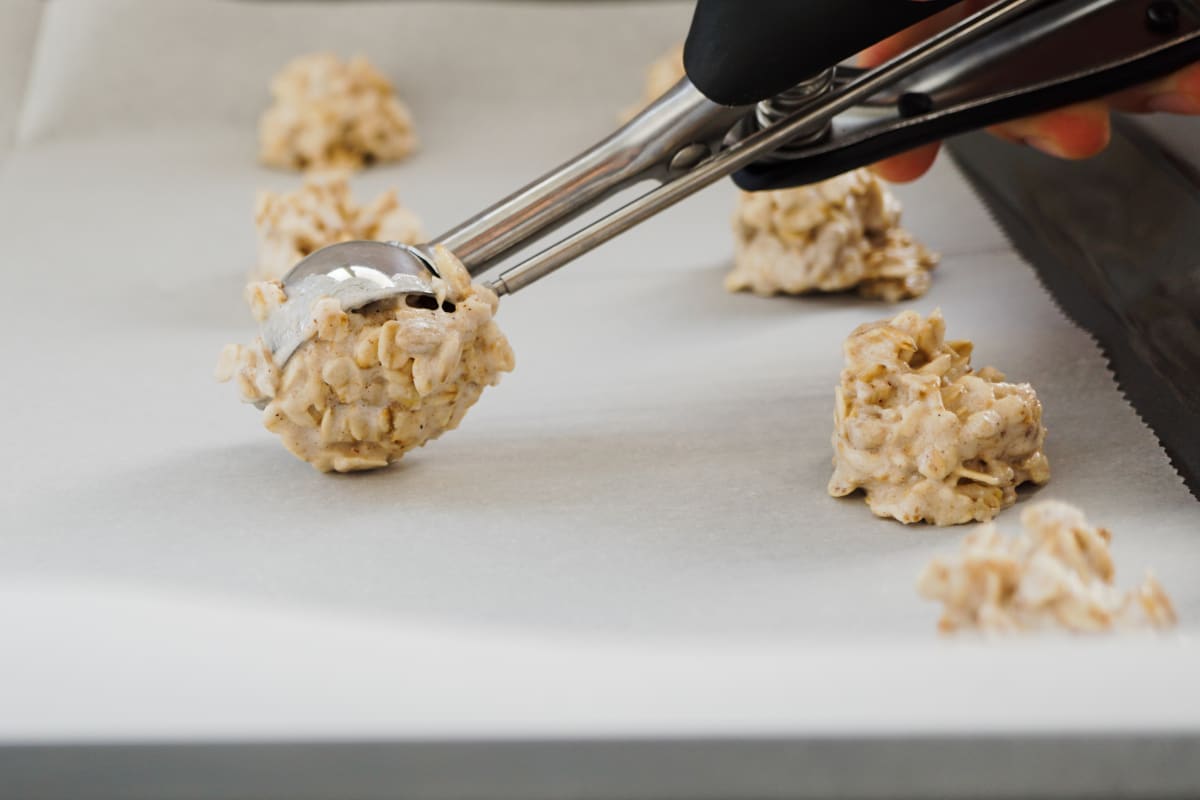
<point x="322" y="212"/>
<point x="374" y="383"/>
<point x="329" y="113"/>
<point x="839" y="234"/>
<point x="1057" y="573"/>
<point x="924" y="435"/>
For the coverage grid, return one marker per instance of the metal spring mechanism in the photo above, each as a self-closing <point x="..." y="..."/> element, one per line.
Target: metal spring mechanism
<point x="774" y="109"/>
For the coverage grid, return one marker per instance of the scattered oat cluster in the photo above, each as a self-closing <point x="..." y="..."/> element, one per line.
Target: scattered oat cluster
<point x="329" y="113"/>
<point x="842" y="233"/>
<point x="322" y="212"/>
<point x="372" y="384"/>
<point x="1057" y="573"/>
<point x="924" y="435"/>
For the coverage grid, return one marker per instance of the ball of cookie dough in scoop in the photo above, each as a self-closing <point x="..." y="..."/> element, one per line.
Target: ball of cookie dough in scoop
<point x="924" y="435"/>
<point x="372" y="384"/>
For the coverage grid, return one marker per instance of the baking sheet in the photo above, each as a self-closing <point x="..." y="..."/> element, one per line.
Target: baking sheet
<point x="629" y="536"/>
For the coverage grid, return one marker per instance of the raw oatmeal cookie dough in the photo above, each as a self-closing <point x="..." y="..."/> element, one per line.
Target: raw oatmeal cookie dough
<point x="330" y="113"/>
<point x="1057" y="573"/>
<point x="292" y="225"/>
<point x="842" y="233"/>
<point x="372" y="384"/>
<point x="925" y="436"/>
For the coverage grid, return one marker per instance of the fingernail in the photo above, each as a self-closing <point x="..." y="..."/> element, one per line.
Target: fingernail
<point x="1045" y="145"/>
<point x="1174" y="103"/>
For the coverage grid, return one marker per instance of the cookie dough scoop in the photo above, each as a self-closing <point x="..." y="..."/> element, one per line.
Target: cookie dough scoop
<point x="767" y="99"/>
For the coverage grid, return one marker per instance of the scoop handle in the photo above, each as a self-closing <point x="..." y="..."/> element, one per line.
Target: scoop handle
<point x="1064" y="52"/>
<point x="739" y="52"/>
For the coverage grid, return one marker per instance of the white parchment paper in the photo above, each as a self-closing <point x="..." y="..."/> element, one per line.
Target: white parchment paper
<point x="18" y="35"/>
<point x="630" y="535"/>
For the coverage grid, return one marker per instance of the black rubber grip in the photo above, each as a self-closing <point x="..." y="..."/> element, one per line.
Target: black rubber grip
<point x="739" y="52"/>
<point x="936" y="126"/>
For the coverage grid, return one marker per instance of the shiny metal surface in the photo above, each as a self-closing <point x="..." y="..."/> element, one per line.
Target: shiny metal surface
<point x="355" y="274"/>
<point x="641" y="149"/>
<point x="685" y="142"/>
<point x="1053" y="43"/>
<point x="738" y="153"/>
<point x="799" y="97"/>
<point x="388" y="258"/>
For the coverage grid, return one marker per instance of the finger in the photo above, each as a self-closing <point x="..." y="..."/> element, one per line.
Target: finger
<point x="1078" y="131"/>
<point x="1178" y="93"/>
<point x="907" y="166"/>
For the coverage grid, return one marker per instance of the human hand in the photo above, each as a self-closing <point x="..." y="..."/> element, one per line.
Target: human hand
<point x="1076" y="131"/>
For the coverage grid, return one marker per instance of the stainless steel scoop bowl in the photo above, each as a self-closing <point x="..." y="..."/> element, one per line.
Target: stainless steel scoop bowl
<point x="355" y="274"/>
